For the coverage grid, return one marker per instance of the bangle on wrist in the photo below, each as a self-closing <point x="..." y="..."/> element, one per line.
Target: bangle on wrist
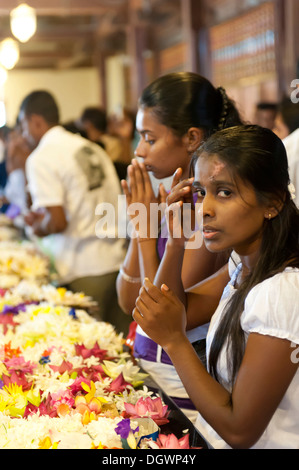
<point x="141" y="240"/>
<point x="126" y="277"/>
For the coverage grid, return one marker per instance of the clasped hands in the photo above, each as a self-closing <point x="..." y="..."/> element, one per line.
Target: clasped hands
<point x="177" y="206"/>
<point x="159" y="312"/>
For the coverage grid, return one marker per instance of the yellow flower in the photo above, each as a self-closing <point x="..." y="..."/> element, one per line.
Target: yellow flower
<point x="16" y="399"/>
<point x="61" y="291"/>
<point x="131" y="441"/>
<point x="99" y="446"/>
<point x="91" y="390"/>
<point x="46" y="443"/>
<point x="90" y="396"/>
<point x="64" y="378"/>
<point x="3" y="369"/>
<point x="33" y="397"/>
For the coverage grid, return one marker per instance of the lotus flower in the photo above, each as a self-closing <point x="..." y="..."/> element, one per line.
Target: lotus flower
<point x="118" y="385"/>
<point x="96" y="351"/>
<point x="76" y="386"/>
<point x="148" y="408"/>
<point x="64" y="367"/>
<point x="20" y="365"/>
<point x="42" y="409"/>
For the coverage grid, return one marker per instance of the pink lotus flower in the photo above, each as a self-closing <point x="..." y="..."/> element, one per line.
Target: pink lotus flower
<point x="17" y="369"/>
<point x="19" y="364"/>
<point x="43" y="409"/>
<point x="149" y="408"/>
<point x="64" y="367"/>
<point x="18" y="378"/>
<point x="96" y="351"/>
<point x="7" y="319"/>
<point x="172" y="442"/>
<point x="118" y="385"/>
<point x="94" y="373"/>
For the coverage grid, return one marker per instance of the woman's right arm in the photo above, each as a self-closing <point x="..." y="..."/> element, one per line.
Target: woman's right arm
<point x="141" y="259"/>
<point x="128" y="281"/>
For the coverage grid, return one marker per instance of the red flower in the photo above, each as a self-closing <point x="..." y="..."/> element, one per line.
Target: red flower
<point x="118" y="385"/>
<point x="64" y="366"/>
<point x="96" y="351"/>
<point x="44" y="409"/>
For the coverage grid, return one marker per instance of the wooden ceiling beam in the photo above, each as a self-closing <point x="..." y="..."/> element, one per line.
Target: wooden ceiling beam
<point x="65" y="7"/>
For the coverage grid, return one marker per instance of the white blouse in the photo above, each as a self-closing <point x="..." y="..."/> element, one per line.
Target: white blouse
<point x="271" y="308"/>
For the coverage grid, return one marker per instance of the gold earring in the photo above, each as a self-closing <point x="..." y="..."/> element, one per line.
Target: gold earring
<point x="269" y="216"/>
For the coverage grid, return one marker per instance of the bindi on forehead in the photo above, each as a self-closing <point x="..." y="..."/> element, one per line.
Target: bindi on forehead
<point x="216" y="169"/>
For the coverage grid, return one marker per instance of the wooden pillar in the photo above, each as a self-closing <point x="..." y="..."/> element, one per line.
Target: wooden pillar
<point x="189" y="35"/>
<point x="195" y="33"/>
<point x="102" y="77"/>
<point x="137" y="40"/>
<point x="287" y="43"/>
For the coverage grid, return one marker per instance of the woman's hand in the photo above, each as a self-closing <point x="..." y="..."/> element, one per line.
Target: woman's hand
<point x="138" y="191"/>
<point x="160" y="314"/>
<point x="180" y="209"/>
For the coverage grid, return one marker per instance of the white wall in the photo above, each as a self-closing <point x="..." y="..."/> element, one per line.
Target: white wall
<point x="115" y="84"/>
<point x="73" y="89"/>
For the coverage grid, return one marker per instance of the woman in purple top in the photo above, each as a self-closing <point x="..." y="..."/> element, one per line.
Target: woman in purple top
<point x="176" y="113"/>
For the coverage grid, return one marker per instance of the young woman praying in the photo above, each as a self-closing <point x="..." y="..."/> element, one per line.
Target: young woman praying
<point x="248" y="397"/>
<point x="176" y="113"/>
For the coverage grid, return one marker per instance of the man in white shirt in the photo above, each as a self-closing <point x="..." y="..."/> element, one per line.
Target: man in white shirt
<point x="287" y="129"/>
<point x="68" y="177"/>
<point x="291" y="143"/>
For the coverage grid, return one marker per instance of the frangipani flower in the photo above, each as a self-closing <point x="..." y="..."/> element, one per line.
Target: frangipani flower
<point x="148" y="408"/>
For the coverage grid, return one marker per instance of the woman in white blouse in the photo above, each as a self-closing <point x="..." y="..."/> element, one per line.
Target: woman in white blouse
<point x="248" y="398"/>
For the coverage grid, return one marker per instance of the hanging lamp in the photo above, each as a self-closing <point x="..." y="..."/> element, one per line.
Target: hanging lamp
<point x="9" y="53"/>
<point x="23" y="22"/>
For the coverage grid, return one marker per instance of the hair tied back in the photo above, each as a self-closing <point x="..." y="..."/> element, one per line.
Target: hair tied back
<point x="224" y="112"/>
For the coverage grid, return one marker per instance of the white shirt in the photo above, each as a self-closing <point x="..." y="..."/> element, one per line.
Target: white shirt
<point x="291" y="143"/>
<point x="61" y="172"/>
<point x="14" y="190"/>
<point x="271" y="308"/>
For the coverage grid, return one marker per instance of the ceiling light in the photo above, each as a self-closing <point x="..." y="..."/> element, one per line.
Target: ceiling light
<point x="9" y="53"/>
<point x="23" y="22"/>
